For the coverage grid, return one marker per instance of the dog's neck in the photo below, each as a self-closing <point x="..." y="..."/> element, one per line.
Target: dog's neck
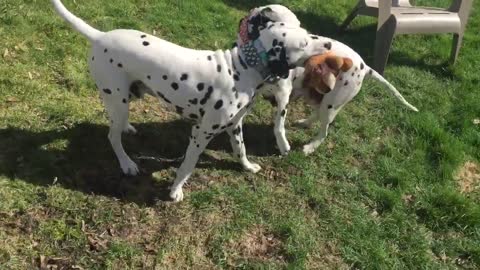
<point x="255" y="78"/>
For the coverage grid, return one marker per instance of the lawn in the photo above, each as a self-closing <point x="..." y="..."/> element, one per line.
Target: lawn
<point x="389" y="189"/>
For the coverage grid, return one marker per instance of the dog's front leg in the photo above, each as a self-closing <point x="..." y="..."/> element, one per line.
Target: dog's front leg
<point x="199" y="140"/>
<point x="282" y="96"/>
<point x="235" y="133"/>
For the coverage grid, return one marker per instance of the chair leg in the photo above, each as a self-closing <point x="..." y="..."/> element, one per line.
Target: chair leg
<point x="383" y="41"/>
<point x="349" y="19"/>
<point x="457" y="43"/>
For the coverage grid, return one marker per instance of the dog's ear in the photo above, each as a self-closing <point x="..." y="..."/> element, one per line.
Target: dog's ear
<point x="277" y="62"/>
<point x="347" y="64"/>
<point x="258" y="22"/>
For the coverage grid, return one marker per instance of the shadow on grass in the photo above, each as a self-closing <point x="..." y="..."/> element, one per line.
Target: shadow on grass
<point x="81" y="157"/>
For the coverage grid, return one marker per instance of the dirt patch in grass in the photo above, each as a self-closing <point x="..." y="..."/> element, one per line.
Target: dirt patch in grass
<point x="258" y="244"/>
<point x="468" y="177"/>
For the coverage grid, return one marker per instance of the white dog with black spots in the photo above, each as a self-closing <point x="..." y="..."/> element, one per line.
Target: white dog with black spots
<point x="214" y="88"/>
<point x="347" y="85"/>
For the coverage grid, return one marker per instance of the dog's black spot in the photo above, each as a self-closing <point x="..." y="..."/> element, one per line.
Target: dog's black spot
<point x="346" y="83"/>
<point x="93" y="58"/>
<point x="218" y="104"/>
<point x="124" y="100"/>
<point x="215" y="126"/>
<point x="111" y="60"/>
<point x="274" y="42"/>
<point x="197" y="126"/>
<point x="198" y="145"/>
<point x="201" y="111"/>
<point x="294" y="78"/>
<point x="209" y="58"/>
<point x="143" y="36"/>
<point x="231" y="115"/>
<point x="362" y="66"/>
<point x="107" y="91"/>
<point x="240" y="59"/>
<point x="165" y="77"/>
<point x="313" y="37"/>
<point x="149" y="77"/>
<point x="370" y="72"/>
<point x="193" y="116"/>
<point x="235" y="77"/>
<point x="330" y="106"/>
<point x="282" y="24"/>
<point x="236" y="131"/>
<point x="207" y="95"/>
<point x="200" y="86"/>
<point x="238" y="156"/>
<point x="353" y="73"/>
<point x="358" y="76"/>
<point x="174" y="85"/>
<point x="223" y="127"/>
<point x="229" y="72"/>
<point x="271" y="25"/>
<point x="179" y="109"/>
<point x="105" y="50"/>
<point x="208" y="137"/>
<point x="284" y="34"/>
<point x="219" y="68"/>
<point x="237" y="141"/>
<point x="193" y="101"/>
<point x="280" y="43"/>
<point x="230" y="124"/>
<point x="145" y="43"/>
<point x="239" y="105"/>
<point x="283" y="113"/>
<point x="120" y="65"/>
<point x="184" y="77"/>
<point x="118" y="89"/>
<point x="328" y="45"/>
<point x="259" y="86"/>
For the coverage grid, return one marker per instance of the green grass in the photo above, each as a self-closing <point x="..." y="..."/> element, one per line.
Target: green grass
<point x="380" y="193"/>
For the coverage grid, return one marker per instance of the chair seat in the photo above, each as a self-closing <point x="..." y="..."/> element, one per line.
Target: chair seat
<point x="425" y="20"/>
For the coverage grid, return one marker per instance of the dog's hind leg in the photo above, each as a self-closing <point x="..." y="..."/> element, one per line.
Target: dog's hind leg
<point x="201" y="136"/>
<point x="326" y="118"/>
<point x="113" y="85"/>
<point x="235" y="133"/>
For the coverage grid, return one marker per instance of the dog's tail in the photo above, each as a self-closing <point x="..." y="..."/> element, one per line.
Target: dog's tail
<point x="397" y="94"/>
<point x="81" y="26"/>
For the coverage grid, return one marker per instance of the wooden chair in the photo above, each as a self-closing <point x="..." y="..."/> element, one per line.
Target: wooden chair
<point x="401" y="17"/>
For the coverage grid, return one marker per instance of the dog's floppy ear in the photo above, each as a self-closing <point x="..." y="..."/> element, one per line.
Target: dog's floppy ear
<point x="347" y="64"/>
<point x="258" y="22"/>
<point x="277" y="62"/>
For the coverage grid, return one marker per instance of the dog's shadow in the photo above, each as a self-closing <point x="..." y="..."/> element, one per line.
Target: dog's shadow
<point x="81" y="158"/>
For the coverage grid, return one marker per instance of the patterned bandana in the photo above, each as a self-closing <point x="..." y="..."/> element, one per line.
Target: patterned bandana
<point x="253" y="50"/>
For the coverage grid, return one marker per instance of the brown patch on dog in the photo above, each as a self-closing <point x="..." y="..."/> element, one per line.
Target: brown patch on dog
<point x="468" y="177"/>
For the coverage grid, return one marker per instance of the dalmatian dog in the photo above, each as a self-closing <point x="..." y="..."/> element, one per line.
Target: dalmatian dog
<point x="213" y="88"/>
<point x="346" y="86"/>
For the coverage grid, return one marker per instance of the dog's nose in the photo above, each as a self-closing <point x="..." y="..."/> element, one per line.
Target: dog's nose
<point x="328" y="45"/>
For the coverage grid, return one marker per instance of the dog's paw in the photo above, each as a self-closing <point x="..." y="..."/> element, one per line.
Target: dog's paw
<point x="129" y="167"/>
<point x="176" y="194"/>
<point x="252" y="167"/>
<point x="284" y="150"/>
<point x="302" y="123"/>
<point x="130" y="129"/>
<point x="308" y="149"/>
